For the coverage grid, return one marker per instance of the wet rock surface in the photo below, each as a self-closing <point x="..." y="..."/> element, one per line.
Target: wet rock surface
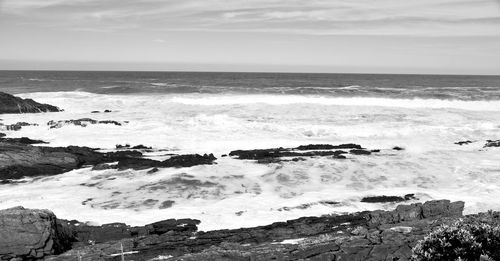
<point x="15" y="126"/>
<point x="387" y="199"/>
<point x="376" y="235"/>
<point x="13" y="104"/>
<point x="84" y="122"/>
<point x="465" y="142"/>
<point x="492" y="143"/>
<point x="312" y="150"/>
<point x="19" y="159"/>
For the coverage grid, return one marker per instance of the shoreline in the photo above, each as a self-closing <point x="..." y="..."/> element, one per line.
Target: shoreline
<point x="369" y="235"/>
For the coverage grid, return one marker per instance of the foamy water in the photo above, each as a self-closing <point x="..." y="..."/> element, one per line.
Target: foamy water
<point x="235" y="193"/>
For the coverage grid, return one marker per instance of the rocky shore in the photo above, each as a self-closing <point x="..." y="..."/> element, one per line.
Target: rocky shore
<point x="378" y="235"/>
<point x="13" y="104"/>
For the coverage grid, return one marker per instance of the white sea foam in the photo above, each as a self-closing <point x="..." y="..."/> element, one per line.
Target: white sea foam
<point x="235" y="193"/>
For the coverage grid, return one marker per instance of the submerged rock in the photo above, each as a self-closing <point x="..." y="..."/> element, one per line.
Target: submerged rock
<point x="275" y="155"/>
<point x="492" y="143"/>
<point x="13" y="104"/>
<point x="382" y="199"/>
<point x="463" y="142"/>
<point x="16" y="126"/>
<point x="84" y="122"/>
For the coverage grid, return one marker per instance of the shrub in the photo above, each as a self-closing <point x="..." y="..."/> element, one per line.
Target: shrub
<point x="463" y="240"/>
<point x="453" y="242"/>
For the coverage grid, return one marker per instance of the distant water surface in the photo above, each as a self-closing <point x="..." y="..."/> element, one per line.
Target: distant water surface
<point x="449" y="87"/>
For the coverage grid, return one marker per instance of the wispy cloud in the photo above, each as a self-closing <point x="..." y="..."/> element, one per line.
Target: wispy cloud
<point x="330" y="17"/>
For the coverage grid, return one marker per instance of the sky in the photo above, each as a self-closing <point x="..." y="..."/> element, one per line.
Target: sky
<point x="354" y="36"/>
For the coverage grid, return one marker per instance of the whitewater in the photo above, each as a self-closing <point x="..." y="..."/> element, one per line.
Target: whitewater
<point x="242" y="193"/>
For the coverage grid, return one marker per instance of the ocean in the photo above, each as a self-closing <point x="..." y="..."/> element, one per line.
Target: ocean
<point x="198" y="112"/>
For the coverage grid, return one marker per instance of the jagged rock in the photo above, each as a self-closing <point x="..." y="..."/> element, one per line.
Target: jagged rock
<point x="274" y="155"/>
<point x="30" y="234"/>
<point x="463" y="142"/>
<point x="13" y="104"/>
<point x="17" y="159"/>
<point x="357" y="236"/>
<point x="137" y="147"/>
<point x="328" y="147"/>
<point x="84" y="122"/>
<point x="492" y="143"/>
<point x="387" y="199"/>
<point x="442" y="208"/>
<point x="382" y="199"/>
<point x="23" y="140"/>
<point x="16" y="126"/>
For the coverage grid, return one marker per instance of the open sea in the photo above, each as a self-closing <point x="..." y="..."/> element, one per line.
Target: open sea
<point x="197" y="112"/>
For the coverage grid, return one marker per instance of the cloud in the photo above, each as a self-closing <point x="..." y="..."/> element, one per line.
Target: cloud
<point x="323" y="17"/>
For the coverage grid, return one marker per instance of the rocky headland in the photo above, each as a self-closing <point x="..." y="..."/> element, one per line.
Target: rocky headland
<point x="13" y="104"/>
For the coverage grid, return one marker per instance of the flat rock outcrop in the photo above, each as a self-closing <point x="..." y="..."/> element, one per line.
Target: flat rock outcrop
<point x="18" y="159"/>
<point x="28" y="234"/>
<point x="12" y="104"/>
<point x="377" y="235"/>
<point x="312" y="150"/>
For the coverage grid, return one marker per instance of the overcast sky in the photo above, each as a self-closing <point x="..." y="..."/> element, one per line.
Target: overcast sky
<point x="399" y="36"/>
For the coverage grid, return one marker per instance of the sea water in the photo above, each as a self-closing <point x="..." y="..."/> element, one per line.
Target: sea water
<point x="182" y="113"/>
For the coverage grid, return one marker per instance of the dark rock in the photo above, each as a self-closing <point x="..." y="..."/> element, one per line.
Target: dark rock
<point x="17" y="159"/>
<point x="138" y="163"/>
<point x="328" y="147"/>
<point x="274" y="155"/>
<point x="382" y="199"/>
<point x="2" y="135"/>
<point x="397" y="148"/>
<point x="84" y="122"/>
<point x="189" y="160"/>
<point x="492" y="143"/>
<point x="13" y="104"/>
<point x="410" y="196"/>
<point x="16" y="126"/>
<point x="360" y="152"/>
<point x="442" y="208"/>
<point x="119" y="146"/>
<point x="30" y="234"/>
<point x="175" y="225"/>
<point x="153" y="170"/>
<point x="95" y="112"/>
<point x="167" y="204"/>
<point x="107" y="111"/>
<point x="376" y="235"/>
<point x="463" y="142"/>
<point x="141" y="147"/>
<point x="23" y="140"/>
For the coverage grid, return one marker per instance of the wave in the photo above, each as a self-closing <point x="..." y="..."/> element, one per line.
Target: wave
<point x="280" y="99"/>
<point x="214" y="100"/>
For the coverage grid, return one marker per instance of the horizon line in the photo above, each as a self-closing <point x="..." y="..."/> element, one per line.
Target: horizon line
<point x="248" y="72"/>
